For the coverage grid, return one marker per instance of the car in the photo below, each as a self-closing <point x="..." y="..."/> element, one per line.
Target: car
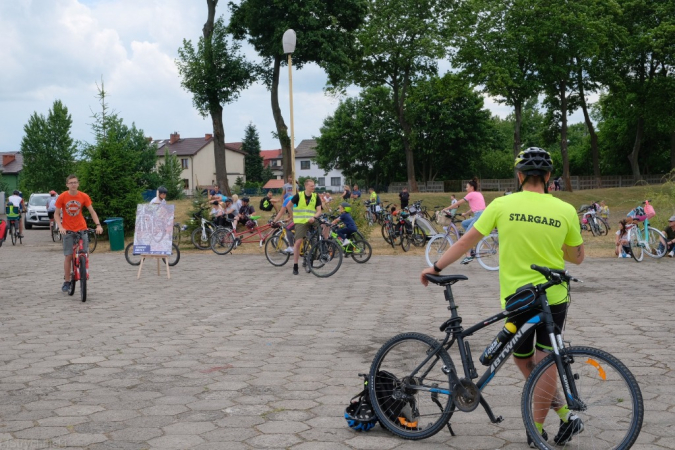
<point x="36" y="211"/>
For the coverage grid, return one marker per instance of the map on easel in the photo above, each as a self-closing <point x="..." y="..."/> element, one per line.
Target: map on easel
<point x="154" y="229"/>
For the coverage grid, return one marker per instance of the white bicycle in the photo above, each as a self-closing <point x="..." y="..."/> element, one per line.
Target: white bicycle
<point x="486" y="253"/>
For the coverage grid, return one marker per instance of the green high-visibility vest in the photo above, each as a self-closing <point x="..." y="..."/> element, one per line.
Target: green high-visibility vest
<point x="303" y="212"/>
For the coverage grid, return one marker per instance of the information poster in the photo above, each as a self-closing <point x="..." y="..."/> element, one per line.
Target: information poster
<point x="154" y="229"/>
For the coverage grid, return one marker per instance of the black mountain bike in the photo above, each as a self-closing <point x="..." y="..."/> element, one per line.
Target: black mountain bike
<point x="415" y="388"/>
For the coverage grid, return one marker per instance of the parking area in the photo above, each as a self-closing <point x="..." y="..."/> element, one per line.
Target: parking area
<point x="233" y="353"/>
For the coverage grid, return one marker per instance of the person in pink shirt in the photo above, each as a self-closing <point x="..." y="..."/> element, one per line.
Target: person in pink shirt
<point x="476" y="203"/>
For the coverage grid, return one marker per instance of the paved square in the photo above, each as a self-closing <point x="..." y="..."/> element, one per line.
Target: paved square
<point x="233" y="353"/>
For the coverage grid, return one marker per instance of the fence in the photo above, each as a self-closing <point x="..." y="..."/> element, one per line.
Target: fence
<point x="509" y="184"/>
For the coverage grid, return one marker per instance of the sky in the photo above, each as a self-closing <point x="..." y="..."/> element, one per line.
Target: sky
<point x="63" y="49"/>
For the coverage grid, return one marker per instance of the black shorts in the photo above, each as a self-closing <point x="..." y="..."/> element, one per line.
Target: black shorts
<point x="50" y="214"/>
<point x="526" y="349"/>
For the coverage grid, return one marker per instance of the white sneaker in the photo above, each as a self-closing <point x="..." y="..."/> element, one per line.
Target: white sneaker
<point x="346" y="241"/>
<point x="289" y="250"/>
<point x="672" y="253"/>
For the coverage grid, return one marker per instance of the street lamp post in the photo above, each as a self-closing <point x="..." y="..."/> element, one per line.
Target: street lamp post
<point x="288" y="42"/>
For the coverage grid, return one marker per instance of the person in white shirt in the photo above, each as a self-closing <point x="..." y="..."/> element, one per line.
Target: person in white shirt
<point x="17" y="202"/>
<point x="160" y="199"/>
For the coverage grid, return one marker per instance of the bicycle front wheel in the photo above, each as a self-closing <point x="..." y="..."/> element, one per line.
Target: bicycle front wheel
<point x="82" y="261"/>
<point x="222" y="241"/>
<point x="418" y="237"/>
<point x="411" y="396"/>
<point x="656" y="243"/>
<point x="201" y="238"/>
<point x="93" y="239"/>
<point x="325" y="258"/>
<point x="52" y="228"/>
<point x="487" y="252"/>
<point x="175" y="237"/>
<point x="436" y="246"/>
<point x="636" y="250"/>
<point x="275" y="250"/>
<point x="613" y="408"/>
<point x="132" y="258"/>
<point x="603" y="226"/>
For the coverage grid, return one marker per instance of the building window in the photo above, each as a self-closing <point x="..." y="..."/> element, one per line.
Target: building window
<point x="275" y="163"/>
<point x="336" y="181"/>
<point x="186" y="184"/>
<point x="184" y="163"/>
<point x="304" y="165"/>
<point x="322" y="181"/>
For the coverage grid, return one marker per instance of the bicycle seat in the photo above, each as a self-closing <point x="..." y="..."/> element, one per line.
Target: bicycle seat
<point x="444" y="280"/>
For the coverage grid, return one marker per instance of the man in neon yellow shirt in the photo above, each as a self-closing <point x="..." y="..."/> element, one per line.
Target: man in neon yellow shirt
<point x="534" y="228"/>
<point x="304" y="208"/>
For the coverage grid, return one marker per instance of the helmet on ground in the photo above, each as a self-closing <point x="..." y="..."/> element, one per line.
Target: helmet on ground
<point x="534" y="161"/>
<point x="250" y="224"/>
<point x="162" y="190"/>
<point x="360" y="415"/>
<point x="346" y="206"/>
<point x="52" y="193"/>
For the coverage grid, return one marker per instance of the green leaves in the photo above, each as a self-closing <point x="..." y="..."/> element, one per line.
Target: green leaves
<point x="48" y="150"/>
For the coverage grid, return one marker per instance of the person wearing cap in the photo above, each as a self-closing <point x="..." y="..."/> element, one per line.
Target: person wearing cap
<point x="346" y="218"/>
<point x="245" y="212"/>
<point x="669" y="231"/>
<point x="51" y="206"/>
<point x="15" y="207"/>
<point x="160" y="199"/>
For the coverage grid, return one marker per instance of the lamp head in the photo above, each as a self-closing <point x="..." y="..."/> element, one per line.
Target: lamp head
<point x="289" y="41"/>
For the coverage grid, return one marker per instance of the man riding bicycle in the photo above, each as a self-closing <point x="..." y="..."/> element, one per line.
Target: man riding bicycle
<point x="69" y="217"/>
<point x="51" y="206"/>
<point x="15" y="206"/>
<point x="534" y="228"/>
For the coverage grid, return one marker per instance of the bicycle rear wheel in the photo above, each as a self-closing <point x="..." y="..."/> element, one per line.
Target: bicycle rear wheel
<point x="82" y="262"/>
<point x="93" y="239"/>
<point x="400" y="386"/>
<point x="130" y="256"/>
<point x="436" y="246"/>
<point x="614" y="410"/>
<point x="656" y="243"/>
<point x="636" y="249"/>
<point x="201" y="238"/>
<point x="175" y="237"/>
<point x="325" y="258"/>
<point x="603" y="226"/>
<point x="487" y="252"/>
<point x="275" y="250"/>
<point x="12" y="232"/>
<point x="222" y="241"/>
<point x="361" y="252"/>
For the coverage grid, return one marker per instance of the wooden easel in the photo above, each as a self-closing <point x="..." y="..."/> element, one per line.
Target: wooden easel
<point x="158" y="258"/>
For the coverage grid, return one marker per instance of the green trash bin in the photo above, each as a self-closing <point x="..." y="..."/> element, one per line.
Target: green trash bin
<point x="116" y="233"/>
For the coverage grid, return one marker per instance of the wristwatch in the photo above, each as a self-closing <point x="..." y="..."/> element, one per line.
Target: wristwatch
<point x="436" y="268"/>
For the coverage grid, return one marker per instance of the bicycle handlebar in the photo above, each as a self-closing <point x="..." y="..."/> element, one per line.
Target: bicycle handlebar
<point x="555" y="276"/>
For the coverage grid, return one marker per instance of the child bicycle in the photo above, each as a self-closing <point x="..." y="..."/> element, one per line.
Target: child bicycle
<point x="79" y="269"/>
<point x="647" y="239"/>
<point x="415" y="387"/>
<point x="357" y="247"/>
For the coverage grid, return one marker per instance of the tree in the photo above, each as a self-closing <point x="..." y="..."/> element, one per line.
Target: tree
<point x="112" y="172"/>
<point x="48" y="150"/>
<point x="4" y="187"/>
<point x="450" y="128"/>
<point x="644" y="62"/>
<point x="363" y="139"/>
<point x="253" y="162"/>
<point x="214" y="73"/>
<point x="400" y="42"/>
<point x="325" y="36"/>
<point x="169" y="172"/>
<point x="494" y="49"/>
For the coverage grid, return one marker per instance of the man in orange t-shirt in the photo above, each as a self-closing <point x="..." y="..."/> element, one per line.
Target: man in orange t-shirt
<point x="68" y="216"/>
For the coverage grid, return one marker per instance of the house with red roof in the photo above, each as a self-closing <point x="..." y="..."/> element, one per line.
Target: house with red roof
<point x="273" y="160"/>
<point x="198" y="161"/>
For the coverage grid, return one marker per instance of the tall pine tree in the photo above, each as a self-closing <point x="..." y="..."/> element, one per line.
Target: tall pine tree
<point x="253" y="162"/>
<point x="48" y="150"/>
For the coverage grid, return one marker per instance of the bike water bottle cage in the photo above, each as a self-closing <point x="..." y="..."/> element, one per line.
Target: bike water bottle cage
<point x="522" y="298"/>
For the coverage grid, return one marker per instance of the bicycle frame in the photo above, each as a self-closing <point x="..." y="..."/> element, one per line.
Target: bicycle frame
<point x="257" y="234"/>
<point x="456" y="333"/>
<point x="78" y="250"/>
